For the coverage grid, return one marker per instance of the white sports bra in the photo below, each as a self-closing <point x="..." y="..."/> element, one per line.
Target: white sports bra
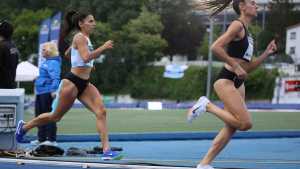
<point x="76" y="59"/>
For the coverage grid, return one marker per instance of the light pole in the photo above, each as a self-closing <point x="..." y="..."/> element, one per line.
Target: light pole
<point x="209" y="66"/>
<point x="264" y="17"/>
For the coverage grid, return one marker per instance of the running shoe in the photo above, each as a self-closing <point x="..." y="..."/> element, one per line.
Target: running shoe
<point x="204" y="167"/>
<point x="111" y="155"/>
<point x="198" y="109"/>
<point x="20" y="132"/>
<point x="49" y="143"/>
<point x="35" y="142"/>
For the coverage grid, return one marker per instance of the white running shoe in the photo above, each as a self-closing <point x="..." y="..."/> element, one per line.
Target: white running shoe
<point x="198" y="109"/>
<point x="49" y="143"/>
<point x="35" y="142"/>
<point x="200" y="166"/>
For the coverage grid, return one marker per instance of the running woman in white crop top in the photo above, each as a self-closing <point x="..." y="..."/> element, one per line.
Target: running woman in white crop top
<point x="76" y="59"/>
<point x="76" y="83"/>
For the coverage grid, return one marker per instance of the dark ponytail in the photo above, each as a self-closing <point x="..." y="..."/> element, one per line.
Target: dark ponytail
<point x="68" y="24"/>
<point x="71" y="22"/>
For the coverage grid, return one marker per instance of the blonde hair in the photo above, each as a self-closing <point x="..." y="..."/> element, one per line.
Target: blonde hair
<point x="51" y="48"/>
<point x="217" y="6"/>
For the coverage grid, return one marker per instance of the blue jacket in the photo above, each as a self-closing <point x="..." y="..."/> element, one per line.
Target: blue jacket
<point x="49" y="76"/>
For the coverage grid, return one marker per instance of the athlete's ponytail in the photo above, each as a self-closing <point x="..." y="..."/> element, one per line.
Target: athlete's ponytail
<point x="218" y="6"/>
<point x="71" y="22"/>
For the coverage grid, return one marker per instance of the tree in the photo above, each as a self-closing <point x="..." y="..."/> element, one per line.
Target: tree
<point x="27" y="25"/>
<point x="136" y="45"/>
<point x="115" y="12"/>
<point x="203" y="49"/>
<point x="19" y="5"/>
<point x="144" y="35"/>
<point x="182" y="28"/>
<point x="282" y="14"/>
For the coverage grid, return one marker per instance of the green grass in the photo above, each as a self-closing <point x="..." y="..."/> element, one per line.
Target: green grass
<point x="81" y="121"/>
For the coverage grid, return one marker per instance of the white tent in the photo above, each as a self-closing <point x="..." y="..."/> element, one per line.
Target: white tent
<point x="26" y="72"/>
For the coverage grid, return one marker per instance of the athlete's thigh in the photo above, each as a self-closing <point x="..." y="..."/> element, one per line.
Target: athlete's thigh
<point x="242" y="91"/>
<point x="91" y="98"/>
<point x="232" y="99"/>
<point x="65" y="97"/>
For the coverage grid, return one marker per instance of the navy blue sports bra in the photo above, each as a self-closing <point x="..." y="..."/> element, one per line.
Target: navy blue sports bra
<point x="242" y="49"/>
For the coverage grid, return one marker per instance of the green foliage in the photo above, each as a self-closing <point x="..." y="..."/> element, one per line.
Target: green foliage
<point x="260" y="84"/>
<point x="203" y="49"/>
<point x="115" y="12"/>
<point x="255" y="30"/>
<point x="27" y="25"/>
<point x="182" y="28"/>
<point x="138" y="43"/>
<point x="152" y="85"/>
<point x="102" y="33"/>
<point x="264" y="39"/>
<point x="282" y="14"/>
<point x="144" y="35"/>
<point x="28" y="86"/>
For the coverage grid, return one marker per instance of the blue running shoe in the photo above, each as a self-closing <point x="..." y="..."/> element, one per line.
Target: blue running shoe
<point x="111" y="155"/>
<point x="20" y="132"/>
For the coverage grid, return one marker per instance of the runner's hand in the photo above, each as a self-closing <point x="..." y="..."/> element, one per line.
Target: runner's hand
<point x="240" y="72"/>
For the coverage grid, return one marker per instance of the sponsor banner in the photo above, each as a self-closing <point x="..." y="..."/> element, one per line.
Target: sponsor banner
<point x="43" y="37"/>
<point x="55" y="27"/>
<point x="292" y="85"/>
<point x="49" y="31"/>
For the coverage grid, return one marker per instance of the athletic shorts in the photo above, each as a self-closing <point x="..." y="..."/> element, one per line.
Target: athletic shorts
<point x="80" y="84"/>
<point x="226" y="74"/>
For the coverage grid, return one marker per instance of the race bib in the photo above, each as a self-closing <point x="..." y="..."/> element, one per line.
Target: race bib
<point x="249" y="52"/>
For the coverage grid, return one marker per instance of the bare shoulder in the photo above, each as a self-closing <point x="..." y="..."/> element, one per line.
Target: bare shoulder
<point x="79" y="40"/>
<point x="235" y="30"/>
<point x="235" y="27"/>
<point x="79" y="37"/>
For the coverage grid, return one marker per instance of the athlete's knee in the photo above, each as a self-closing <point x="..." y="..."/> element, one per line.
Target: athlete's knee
<point x="101" y="113"/>
<point x="246" y="125"/>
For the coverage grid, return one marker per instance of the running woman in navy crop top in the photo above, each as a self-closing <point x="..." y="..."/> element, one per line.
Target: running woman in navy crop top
<point x="76" y="85"/>
<point x="243" y="48"/>
<point x="229" y="85"/>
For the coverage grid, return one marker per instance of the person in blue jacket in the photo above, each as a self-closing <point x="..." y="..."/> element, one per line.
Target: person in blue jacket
<point x="46" y="86"/>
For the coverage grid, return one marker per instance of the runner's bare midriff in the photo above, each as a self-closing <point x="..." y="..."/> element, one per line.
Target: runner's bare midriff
<point x="82" y="72"/>
<point x="244" y="64"/>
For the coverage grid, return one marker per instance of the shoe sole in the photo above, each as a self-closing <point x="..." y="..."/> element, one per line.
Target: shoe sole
<point x="119" y="157"/>
<point x="189" y="115"/>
